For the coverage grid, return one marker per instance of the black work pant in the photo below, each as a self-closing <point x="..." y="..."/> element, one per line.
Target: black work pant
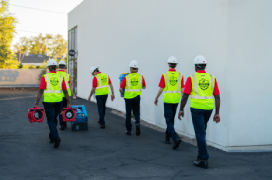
<point x="52" y="112"/>
<point x="63" y="105"/>
<point x="200" y="119"/>
<point x="101" y="105"/>
<point x="169" y="114"/>
<point x="132" y="104"/>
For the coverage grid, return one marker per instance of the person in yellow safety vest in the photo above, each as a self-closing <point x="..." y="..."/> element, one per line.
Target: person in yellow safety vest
<point x="52" y="86"/>
<point x="101" y="84"/>
<point x="171" y="85"/>
<point x="201" y="87"/>
<point x="133" y="85"/>
<point x="66" y="77"/>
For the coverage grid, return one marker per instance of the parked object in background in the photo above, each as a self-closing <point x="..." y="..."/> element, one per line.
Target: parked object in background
<point x="35" y="115"/>
<point x="81" y="121"/>
<point x="121" y="77"/>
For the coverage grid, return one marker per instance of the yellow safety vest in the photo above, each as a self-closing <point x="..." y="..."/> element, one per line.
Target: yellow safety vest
<point x="66" y="77"/>
<point x="202" y="91"/>
<point x="172" y="89"/>
<point x="102" y="84"/>
<point x="134" y="85"/>
<point x="53" y="91"/>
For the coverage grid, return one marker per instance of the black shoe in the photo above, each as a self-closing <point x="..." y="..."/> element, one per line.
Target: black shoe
<point x="177" y="141"/>
<point x="57" y="143"/>
<point x="138" y="130"/>
<point x="62" y="127"/>
<point x="128" y="133"/>
<point x="167" y="140"/>
<point x="98" y="122"/>
<point x="201" y="163"/>
<point x="102" y="126"/>
<point x="198" y="158"/>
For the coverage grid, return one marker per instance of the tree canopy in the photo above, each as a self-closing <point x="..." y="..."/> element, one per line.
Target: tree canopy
<point x="7" y="31"/>
<point x="54" y="46"/>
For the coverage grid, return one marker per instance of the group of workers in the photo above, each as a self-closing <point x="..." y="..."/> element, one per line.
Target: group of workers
<point x="201" y="87"/>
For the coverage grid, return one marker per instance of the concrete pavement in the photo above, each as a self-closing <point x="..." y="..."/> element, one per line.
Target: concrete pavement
<point x="25" y="151"/>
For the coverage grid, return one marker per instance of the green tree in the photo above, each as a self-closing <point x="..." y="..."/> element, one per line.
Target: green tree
<point x="54" y="46"/>
<point x="7" y="31"/>
<point x="22" y="47"/>
<point x="58" y="48"/>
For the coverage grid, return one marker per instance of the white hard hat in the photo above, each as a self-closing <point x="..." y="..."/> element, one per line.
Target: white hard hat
<point x="92" y="69"/>
<point x="62" y="63"/>
<point x="172" y="59"/>
<point x="52" y="62"/>
<point x="134" y="64"/>
<point x="200" y="60"/>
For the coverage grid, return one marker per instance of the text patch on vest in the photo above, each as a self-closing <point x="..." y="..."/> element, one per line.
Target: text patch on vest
<point x="104" y="79"/>
<point x="204" y="84"/>
<point x="173" y="80"/>
<point x="134" y="81"/>
<point x="54" y="81"/>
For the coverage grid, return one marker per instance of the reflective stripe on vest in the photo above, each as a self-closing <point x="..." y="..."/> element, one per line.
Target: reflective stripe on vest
<point x="167" y="81"/>
<point x="195" y="88"/>
<point x="66" y="81"/>
<point x="133" y="90"/>
<point x="48" y="86"/>
<point x="98" y="78"/>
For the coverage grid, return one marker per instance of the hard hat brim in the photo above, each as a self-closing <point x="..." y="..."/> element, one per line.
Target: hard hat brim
<point x="133" y="66"/>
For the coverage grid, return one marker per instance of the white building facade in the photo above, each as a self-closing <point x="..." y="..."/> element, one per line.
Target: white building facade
<point x="235" y="36"/>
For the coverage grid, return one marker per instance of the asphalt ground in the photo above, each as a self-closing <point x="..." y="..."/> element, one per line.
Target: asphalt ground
<point x="25" y="151"/>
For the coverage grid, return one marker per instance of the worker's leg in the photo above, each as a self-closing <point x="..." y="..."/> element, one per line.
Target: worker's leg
<point x="63" y="105"/>
<point x="100" y="106"/>
<point x="169" y="115"/>
<point x="200" y="132"/>
<point x="105" y="97"/>
<point x="136" y="109"/>
<point x="51" y="113"/>
<point x="128" y="114"/>
<point x="174" y="107"/>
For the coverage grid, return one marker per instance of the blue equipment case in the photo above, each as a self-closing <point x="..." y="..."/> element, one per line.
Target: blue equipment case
<point x="81" y="118"/>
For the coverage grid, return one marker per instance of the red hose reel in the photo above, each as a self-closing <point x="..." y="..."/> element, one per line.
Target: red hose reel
<point x="35" y="115"/>
<point x="69" y="114"/>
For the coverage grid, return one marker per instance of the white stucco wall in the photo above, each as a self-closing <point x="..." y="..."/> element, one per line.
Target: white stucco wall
<point x="234" y="36"/>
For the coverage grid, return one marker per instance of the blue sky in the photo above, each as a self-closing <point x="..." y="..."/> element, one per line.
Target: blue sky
<point x="32" y="20"/>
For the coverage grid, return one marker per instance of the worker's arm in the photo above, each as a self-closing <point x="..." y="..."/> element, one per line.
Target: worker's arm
<point x="67" y="97"/>
<point x="158" y="95"/>
<point x="121" y="91"/>
<point x="39" y="96"/>
<point x="183" y="102"/>
<point x="71" y="89"/>
<point x="216" y="117"/>
<point x="92" y="92"/>
<point x="112" y="92"/>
